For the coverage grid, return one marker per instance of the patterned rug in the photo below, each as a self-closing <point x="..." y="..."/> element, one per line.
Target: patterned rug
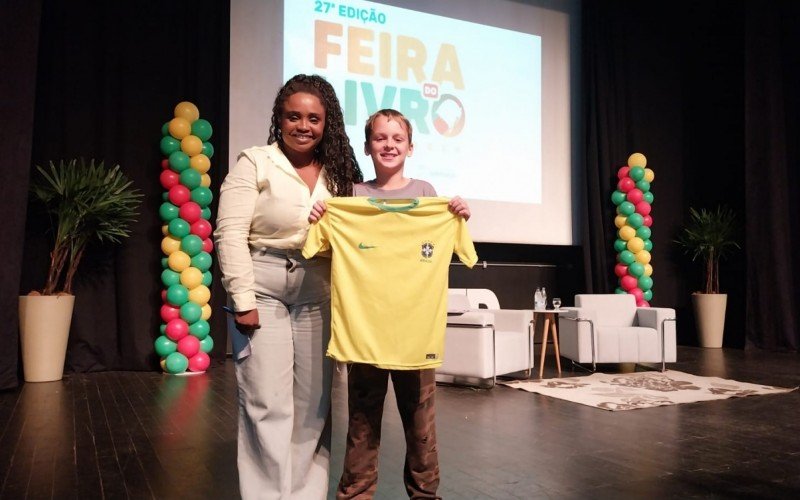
<point x="632" y="391"/>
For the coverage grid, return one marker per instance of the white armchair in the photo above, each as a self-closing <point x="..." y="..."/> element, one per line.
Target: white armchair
<point x="609" y="328"/>
<point x="484" y="343"/>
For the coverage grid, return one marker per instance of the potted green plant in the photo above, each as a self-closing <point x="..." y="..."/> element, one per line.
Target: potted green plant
<point x="709" y="236"/>
<point x="86" y="202"/>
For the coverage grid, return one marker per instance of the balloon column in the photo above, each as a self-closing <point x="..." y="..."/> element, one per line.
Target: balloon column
<point x="185" y="342"/>
<point x="634" y="199"/>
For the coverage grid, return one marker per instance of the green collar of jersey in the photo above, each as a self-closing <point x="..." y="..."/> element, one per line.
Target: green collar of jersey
<point x="382" y="204"/>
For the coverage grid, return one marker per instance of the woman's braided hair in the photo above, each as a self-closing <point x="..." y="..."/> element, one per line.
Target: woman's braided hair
<point x="334" y="151"/>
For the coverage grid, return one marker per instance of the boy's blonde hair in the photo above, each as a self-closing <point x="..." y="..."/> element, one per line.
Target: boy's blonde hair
<point x="390" y="114"/>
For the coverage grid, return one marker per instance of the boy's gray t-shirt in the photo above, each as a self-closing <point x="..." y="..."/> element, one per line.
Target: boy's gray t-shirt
<point x="414" y="188"/>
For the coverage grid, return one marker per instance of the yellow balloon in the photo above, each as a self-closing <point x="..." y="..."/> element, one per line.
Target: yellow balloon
<point x="620" y="221"/>
<point x="200" y="162"/>
<point x="200" y="295"/>
<point x="191" y="277"/>
<point x="163" y="364"/>
<point x="179" y="260"/>
<point x="649" y="175"/>
<point x="179" y="128"/>
<point x="188" y="111"/>
<point x="637" y="160"/>
<point x="205" y="180"/>
<point x="170" y="244"/>
<point x="627" y="232"/>
<point x="642" y="256"/>
<point x="635" y="244"/>
<point x="191" y="145"/>
<point x="165" y="229"/>
<point x="206" y="312"/>
<point x="648" y="270"/>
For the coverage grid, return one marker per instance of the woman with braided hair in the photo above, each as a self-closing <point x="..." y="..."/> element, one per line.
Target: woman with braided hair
<point x="281" y="301"/>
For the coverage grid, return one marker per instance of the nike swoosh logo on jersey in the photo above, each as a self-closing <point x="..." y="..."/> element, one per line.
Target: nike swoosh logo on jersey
<point x="362" y="246"/>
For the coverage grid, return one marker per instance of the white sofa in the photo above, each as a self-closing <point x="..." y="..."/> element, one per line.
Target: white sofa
<point x="483" y="343"/>
<point x="609" y="328"/>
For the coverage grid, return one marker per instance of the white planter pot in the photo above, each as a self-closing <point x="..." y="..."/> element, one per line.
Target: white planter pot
<point x="44" y="323"/>
<point x="709" y="312"/>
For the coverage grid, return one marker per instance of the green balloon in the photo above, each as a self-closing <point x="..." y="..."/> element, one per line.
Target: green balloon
<point x="617" y="197"/>
<point x="202" y="196"/>
<point x="635" y="220"/>
<point x="191" y="312"/>
<point x="164" y="346"/>
<point x="207" y="344"/>
<point x="645" y="283"/>
<point x="202" y="129"/>
<point x="170" y="277"/>
<point x="648" y="295"/>
<point x="201" y="261"/>
<point x="163" y="328"/>
<point x="643" y="232"/>
<point x="207" y="278"/>
<point x="165" y="196"/>
<point x="636" y="269"/>
<point x="176" y="363"/>
<point x="625" y="256"/>
<point x="178" y="161"/>
<point x="200" y="329"/>
<point x="636" y="173"/>
<point x="648" y="197"/>
<point x="206" y="213"/>
<point x="208" y="149"/>
<point x="620" y="245"/>
<point x="190" y="178"/>
<point x="165" y="128"/>
<point x="177" y="295"/>
<point x="169" y="145"/>
<point x="192" y="245"/>
<point x="620" y="291"/>
<point x="643" y="186"/>
<point x="626" y="208"/>
<point x="179" y="227"/>
<point x="164" y="262"/>
<point x="168" y="211"/>
<point x="648" y="245"/>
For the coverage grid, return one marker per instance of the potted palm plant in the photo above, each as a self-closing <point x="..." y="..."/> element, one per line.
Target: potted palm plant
<point x="709" y="236"/>
<point x="86" y="202"/>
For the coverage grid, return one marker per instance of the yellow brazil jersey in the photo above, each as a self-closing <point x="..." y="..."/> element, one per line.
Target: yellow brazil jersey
<point x="389" y="275"/>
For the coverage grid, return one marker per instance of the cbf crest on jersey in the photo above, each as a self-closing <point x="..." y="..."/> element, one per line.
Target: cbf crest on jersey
<point x="426" y="250"/>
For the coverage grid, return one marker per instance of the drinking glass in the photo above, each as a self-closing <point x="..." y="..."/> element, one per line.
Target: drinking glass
<point x="556" y="303"/>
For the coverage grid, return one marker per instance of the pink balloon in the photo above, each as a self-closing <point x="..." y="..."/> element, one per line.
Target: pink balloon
<point x="642" y="303"/>
<point x="199" y="362"/>
<point x="177" y="329"/>
<point x="634" y="195"/>
<point x="164" y="296"/>
<point x="179" y="195"/>
<point x="626" y="184"/>
<point x="623" y="172"/>
<point x="190" y="212"/>
<point x="627" y="282"/>
<point x="648" y="221"/>
<point x="169" y="312"/>
<point x="165" y="163"/>
<point x="189" y="345"/>
<point x="620" y="270"/>
<point x="636" y="292"/>
<point x="643" y="208"/>
<point x="208" y="245"/>
<point x="202" y="228"/>
<point x="169" y="178"/>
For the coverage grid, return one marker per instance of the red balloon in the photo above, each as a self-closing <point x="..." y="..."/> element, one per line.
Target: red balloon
<point x="164" y="296"/>
<point x="620" y="270"/>
<point x="188" y="345"/>
<point x="626" y="184"/>
<point x="176" y="329"/>
<point x="636" y="292"/>
<point x="627" y="282"/>
<point x="165" y="163"/>
<point x="190" y="212"/>
<point x="634" y="195"/>
<point x="642" y="303"/>
<point x="643" y="208"/>
<point x="199" y="362"/>
<point x="648" y="221"/>
<point x="623" y="172"/>
<point x="170" y="312"/>
<point x="208" y="245"/>
<point x="179" y="194"/>
<point x="169" y="178"/>
<point x="202" y="228"/>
